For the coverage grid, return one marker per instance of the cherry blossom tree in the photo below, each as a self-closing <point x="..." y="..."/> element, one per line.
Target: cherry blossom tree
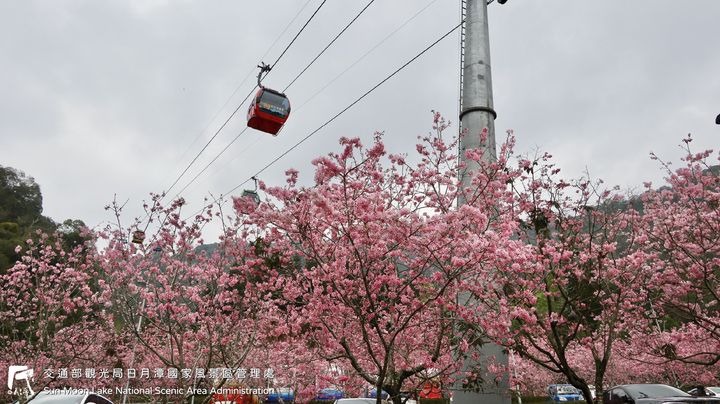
<point x="373" y="276"/>
<point x="584" y="281"/>
<point x="529" y="378"/>
<point x="369" y="263"/>
<point x="658" y="254"/>
<point x="178" y="307"/>
<point x="682" y="227"/>
<point x="639" y="359"/>
<point x="630" y="362"/>
<point x="50" y="312"/>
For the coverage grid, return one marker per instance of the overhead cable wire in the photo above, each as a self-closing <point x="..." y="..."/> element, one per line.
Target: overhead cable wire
<point x="249" y="73"/>
<point x="358" y="60"/>
<point x="241" y="104"/>
<point x="395" y="31"/>
<point x="298" y="34"/>
<point x="258" y="137"/>
<point x="293" y="81"/>
<point x="283" y="32"/>
<point x="217" y="132"/>
<point x="329" y="44"/>
<point x="352" y="104"/>
<point x="210" y="163"/>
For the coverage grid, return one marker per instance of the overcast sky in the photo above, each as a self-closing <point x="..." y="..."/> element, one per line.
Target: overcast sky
<point x="99" y="98"/>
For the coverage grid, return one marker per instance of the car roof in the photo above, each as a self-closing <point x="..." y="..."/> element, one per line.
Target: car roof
<point x="68" y="396"/>
<point x="641" y="385"/>
<point x="64" y="397"/>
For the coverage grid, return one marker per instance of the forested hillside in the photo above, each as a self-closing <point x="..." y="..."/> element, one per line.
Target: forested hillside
<point x="21" y="207"/>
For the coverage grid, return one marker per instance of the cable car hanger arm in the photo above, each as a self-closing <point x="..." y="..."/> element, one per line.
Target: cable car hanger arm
<point x="263" y="69"/>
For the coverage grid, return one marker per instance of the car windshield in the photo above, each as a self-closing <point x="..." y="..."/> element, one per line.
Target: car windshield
<point x="566" y="389"/>
<point x="715" y="390"/>
<point x="59" y="398"/>
<point x="654" y="390"/>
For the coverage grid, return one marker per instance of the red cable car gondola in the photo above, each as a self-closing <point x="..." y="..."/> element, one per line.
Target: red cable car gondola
<point x="269" y="109"/>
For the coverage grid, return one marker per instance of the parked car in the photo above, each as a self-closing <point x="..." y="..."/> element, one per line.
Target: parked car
<point x="281" y="395"/>
<point x="359" y="400"/>
<point x="651" y="394"/>
<point x="55" y="397"/>
<point x="564" y="392"/>
<point x="702" y="391"/>
<point x="328" y="394"/>
<point x="373" y="394"/>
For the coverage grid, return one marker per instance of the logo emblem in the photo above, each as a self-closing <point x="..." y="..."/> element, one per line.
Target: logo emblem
<point x="17" y="373"/>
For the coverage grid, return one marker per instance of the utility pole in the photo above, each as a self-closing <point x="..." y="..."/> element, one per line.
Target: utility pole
<point x="476" y="114"/>
<point x="477" y="111"/>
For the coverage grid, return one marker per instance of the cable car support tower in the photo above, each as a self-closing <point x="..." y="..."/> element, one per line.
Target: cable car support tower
<point x="477" y="114"/>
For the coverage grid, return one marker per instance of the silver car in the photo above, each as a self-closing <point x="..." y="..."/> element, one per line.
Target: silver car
<point x="63" y="397"/>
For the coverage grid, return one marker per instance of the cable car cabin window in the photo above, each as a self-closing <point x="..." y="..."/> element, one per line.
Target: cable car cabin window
<point x="274" y="104"/>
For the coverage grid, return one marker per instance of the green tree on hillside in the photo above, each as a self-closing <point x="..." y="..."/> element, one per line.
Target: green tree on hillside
<point x="21" y="217"/>
<point x="20" y="197"/>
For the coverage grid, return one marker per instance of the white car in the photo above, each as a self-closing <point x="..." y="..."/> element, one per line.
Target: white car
<point x="62" y="397"/>
<point x="705" y="391"/>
